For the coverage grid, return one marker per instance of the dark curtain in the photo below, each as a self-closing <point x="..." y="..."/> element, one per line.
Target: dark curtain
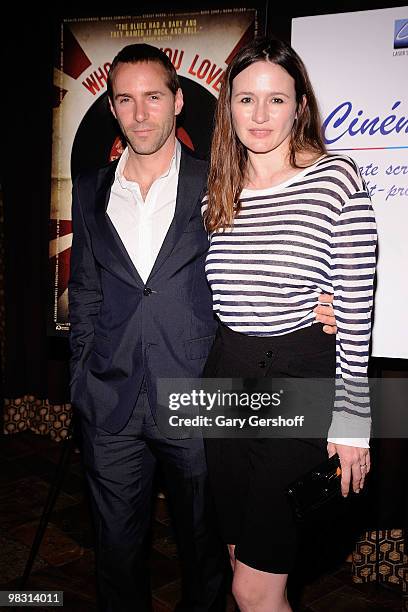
<point x="34" y="364"/>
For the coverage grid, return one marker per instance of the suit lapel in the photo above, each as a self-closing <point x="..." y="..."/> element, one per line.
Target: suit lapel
<point x="189" y="188"/>
<point x="121" y="260"/>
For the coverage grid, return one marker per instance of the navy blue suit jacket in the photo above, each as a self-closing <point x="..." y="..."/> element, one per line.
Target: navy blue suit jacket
<point x="124" y="331"/>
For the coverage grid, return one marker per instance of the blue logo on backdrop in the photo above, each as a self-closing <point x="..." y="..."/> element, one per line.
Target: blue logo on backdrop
<point x="401" y="34"/>
<point x="344" y="120"/>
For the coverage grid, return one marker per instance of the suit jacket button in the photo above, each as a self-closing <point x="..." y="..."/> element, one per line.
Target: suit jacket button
<point x="147" y="291"/>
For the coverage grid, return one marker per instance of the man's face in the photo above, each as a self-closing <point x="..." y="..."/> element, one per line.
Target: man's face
<point x="144" y="106"/>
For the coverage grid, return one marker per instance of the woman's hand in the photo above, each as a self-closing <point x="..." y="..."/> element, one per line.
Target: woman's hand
<point x="355" y="465"/>
<point x="325" y="313"/>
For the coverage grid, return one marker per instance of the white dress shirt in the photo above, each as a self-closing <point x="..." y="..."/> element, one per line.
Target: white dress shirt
<point x="142" y="225"/>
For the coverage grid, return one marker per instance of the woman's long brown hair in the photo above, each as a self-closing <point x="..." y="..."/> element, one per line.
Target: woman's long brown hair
<point x="229" y="156"/>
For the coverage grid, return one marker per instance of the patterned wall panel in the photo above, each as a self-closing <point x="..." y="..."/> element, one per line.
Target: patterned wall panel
<point x="38" y="415"/>
<point x="387" y="561"/>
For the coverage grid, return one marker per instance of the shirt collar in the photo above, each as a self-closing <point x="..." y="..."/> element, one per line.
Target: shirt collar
<point x="174" y="166"/>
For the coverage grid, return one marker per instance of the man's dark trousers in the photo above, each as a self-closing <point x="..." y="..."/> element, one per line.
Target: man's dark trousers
<point x="120" y="471"/>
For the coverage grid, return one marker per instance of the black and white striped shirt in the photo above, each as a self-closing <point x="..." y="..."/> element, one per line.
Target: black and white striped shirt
<point x="313" y="233"/>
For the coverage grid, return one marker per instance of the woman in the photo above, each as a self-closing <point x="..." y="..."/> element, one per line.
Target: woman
<point x="287" y="222"/>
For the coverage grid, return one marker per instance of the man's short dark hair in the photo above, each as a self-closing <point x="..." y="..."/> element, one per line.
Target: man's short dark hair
<point x="132" y="54"/>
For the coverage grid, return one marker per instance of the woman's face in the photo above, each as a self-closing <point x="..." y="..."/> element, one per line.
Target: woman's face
<point x="263" y="107"/>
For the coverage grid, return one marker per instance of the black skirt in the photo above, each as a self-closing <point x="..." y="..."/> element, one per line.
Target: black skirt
<point x="248" y="477"/>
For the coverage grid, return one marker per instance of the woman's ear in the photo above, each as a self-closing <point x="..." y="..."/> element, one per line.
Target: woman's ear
<point x="301" y="106"/>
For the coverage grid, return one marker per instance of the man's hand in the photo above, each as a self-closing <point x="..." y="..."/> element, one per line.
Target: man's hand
<point x="355" y="465"/>
<point x="325" y="314"/>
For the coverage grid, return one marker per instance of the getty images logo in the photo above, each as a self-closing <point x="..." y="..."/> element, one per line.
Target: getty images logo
<point x="401" y="34"/>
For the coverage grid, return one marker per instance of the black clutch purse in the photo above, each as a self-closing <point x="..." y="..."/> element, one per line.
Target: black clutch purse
<point x="315" y="488"/>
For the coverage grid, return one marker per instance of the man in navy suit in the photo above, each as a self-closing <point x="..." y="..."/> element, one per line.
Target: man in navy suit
<point x="141" y="309"/>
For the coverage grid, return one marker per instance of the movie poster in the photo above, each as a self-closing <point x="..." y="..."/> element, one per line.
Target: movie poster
<point x="200" y="46"/>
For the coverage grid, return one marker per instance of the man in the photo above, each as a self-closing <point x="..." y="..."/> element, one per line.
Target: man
<point x="141" y="309"/>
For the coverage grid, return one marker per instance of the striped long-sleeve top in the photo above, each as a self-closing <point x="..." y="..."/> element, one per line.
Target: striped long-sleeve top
<point x="289" y="243"/>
